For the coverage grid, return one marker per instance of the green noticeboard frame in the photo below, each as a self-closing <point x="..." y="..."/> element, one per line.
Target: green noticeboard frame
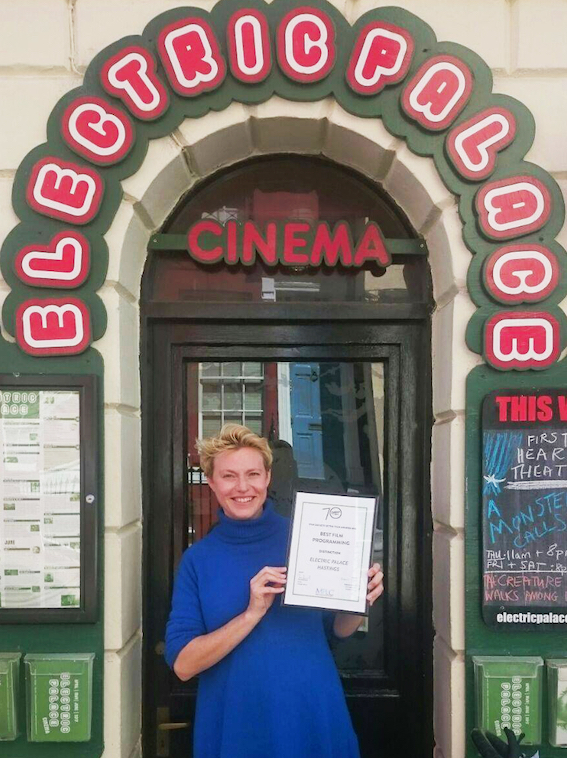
<point x="40" y="636"/>
<point x="86" y="387"/>
<point x="482" y="640"/>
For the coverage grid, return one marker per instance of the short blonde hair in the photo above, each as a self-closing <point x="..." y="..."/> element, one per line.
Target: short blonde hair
<point x="232" y="437"/>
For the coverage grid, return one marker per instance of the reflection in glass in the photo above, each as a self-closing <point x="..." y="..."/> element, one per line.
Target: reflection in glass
<point x="301" y="189"/>
<point x="325" y="423"/>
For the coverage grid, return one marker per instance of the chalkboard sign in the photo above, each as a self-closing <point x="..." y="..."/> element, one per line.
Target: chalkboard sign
<point x="524" y="508"/>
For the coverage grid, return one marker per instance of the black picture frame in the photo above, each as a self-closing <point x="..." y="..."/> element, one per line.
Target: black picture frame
<point x="322" y="606"/>
<point x="87" y="386"/>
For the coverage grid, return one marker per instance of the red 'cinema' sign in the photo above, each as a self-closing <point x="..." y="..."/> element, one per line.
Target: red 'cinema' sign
<point x="292" y="243"/>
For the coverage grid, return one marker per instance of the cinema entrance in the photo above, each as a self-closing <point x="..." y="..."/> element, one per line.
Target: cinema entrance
<point x="332" y="364"/>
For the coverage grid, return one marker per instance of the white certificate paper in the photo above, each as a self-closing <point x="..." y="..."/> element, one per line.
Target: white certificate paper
<point x="329" y="552"/>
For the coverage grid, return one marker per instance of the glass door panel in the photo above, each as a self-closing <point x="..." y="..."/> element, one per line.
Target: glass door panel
<point x="325" y="423"/>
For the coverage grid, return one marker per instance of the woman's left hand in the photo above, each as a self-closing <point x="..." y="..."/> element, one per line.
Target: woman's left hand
<point x="375" y="583"/>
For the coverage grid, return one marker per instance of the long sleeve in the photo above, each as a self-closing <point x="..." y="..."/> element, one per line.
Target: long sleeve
<point x="186" y="618"/>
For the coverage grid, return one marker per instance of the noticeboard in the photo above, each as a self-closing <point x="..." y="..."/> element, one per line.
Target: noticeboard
<point x="524" y="508"/>
<point x="48" y="499"/>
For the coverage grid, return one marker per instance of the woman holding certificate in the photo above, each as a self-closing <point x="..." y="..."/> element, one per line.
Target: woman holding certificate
<point x="268" y="684"/>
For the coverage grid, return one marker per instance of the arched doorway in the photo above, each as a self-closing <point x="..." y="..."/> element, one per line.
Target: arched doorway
<point x="333" y="365"/>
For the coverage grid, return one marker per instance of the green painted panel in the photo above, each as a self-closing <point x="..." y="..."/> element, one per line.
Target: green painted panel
<point x="482" y="640"/>
<point x="59" y="638"/>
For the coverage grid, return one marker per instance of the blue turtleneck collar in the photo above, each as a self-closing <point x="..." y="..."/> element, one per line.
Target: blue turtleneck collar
<point x="247" y="530"/>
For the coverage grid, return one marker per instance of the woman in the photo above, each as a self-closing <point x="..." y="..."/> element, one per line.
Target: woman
<point x="269" y="687"/>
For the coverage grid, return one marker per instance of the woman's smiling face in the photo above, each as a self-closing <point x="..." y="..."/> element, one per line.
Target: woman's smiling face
<point x="240" y="482"/>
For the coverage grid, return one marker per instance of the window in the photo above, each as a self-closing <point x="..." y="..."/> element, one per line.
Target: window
<point x="230" y="393"/>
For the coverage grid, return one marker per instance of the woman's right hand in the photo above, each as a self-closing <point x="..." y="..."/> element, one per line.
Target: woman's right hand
<point x="267" y="583"/>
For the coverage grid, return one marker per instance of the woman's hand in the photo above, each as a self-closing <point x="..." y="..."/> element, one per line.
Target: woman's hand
<point x="267" y="583"/>
<point x="375" y="583"/>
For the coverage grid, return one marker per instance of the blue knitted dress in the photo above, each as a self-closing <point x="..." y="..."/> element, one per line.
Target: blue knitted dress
<point x="278" y="693"/>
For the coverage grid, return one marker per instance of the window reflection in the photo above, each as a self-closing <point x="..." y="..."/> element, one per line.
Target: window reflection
<point x="325" y="423"/>
<point x="288" y="189"/>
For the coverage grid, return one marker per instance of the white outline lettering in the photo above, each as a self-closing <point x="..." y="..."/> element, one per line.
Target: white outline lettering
<point x="174" y="60"/>
<point x="493" y="211"/>
<point x="482" y="146"/>
<point x="514" y="354"/>
<point x="61" y="173"/>
<point x="43" y="311"/>
<point x="363" y="57"/>
<point x="424" y="81"/>
<point x="97" y="126"/>
<point x="55" y="255"/>
<point x="522" y="276"/>
<point x="309" y="44"/>
<point x="258" y="45"/>
<point x="128" y="88"/>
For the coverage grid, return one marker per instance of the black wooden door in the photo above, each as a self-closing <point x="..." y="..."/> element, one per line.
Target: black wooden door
<point x="386" y="671"/>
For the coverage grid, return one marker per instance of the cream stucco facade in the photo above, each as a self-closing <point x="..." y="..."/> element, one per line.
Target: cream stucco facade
<point x="46" y="46"/>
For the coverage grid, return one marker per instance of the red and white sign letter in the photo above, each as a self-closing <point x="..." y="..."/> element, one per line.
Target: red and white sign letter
<point x="248" y="40"/>
<point x="521" y="273"/>
<point x="381" y="56"/>
<point x="53" y="327"/>
<point x="97" y="131"/>
<point x="474" y="145"/>
<point x="64" y="262"/>
<point x="131" y="76"/>
<point x="438" y="92"/>
<point x="513" y="207"/>
<point x="522" y="340"/>
<point x="191" y="56"/>
<point x="306" y="45"/>
<point x="64" y="190"/>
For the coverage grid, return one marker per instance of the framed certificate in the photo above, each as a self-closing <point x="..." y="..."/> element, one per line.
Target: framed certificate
<point x="330" y="551"/>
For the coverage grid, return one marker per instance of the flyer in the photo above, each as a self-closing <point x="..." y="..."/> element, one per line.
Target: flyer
<point x="40" y="490"/>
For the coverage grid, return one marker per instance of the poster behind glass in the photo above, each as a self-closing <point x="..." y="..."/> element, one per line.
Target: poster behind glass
<point x="40" y="498"/>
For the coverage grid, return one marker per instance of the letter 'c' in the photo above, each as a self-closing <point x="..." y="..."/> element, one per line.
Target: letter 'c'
<point x="306" y="45"/>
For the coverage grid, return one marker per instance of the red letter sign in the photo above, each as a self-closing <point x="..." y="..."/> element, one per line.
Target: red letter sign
<point x="521" y="340"/>
<point x="64" y="262"/>
<point x="131" y="76"/>
<point x="513" y="207"/>
<point x="248" y="39"/>
<point x="205" y="254"/>
<point x="306" y="45"/>
<point x="474" y="145"/>
<point x="97" y="131"/>
<point x="438" y="92"/>
<point x="53" y="327"/>
<point x="521" y="273"/>
<point x="191" y="56"/>
<point x="64" y="190"/>
<point x="381" y="56"/>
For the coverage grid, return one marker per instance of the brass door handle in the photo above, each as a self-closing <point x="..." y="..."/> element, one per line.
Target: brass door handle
<point x="167" y="727"/>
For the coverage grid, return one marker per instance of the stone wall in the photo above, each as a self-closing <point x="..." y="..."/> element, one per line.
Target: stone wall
<point x="46" y="46"/>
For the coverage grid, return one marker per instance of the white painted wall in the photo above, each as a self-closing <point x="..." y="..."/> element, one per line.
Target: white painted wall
<point x="46" y="46"/>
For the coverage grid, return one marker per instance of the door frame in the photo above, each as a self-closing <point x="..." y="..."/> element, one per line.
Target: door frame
<point x="198" y="337"/>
